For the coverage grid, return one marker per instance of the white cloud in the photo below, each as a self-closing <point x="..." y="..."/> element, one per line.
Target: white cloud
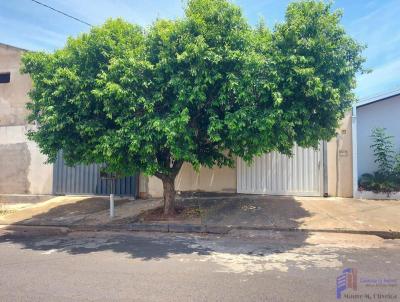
<point x="383" y="78"/>
<point x="379" y="29"/>
<point x="30" y="36"/>
<point x="141" y="12"/>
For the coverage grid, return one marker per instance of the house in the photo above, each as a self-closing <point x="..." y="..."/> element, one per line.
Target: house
<point x="22" y="168"/>
<point x="323" y="172"/>
<point x="381" y="111"/>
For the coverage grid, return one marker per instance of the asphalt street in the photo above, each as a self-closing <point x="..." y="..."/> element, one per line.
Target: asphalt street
<point x="242" y="266"/>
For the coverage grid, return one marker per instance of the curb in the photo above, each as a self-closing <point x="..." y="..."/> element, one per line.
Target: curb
<point x="29" y="230"/>
<point x="181" y="228"/>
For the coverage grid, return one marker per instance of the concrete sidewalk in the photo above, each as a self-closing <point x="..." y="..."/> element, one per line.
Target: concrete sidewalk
<point x="304" y="213"/>
<point x="77" y="210"/>
<point x="220" y="213"/>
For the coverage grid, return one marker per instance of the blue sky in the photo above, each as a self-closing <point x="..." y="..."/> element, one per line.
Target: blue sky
<point x="373" y="22"/>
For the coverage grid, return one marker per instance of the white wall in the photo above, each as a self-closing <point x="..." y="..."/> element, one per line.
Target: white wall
<point x="386" y="114"/>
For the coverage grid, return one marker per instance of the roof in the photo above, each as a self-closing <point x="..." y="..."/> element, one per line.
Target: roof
<point x="11" y="46"/>
<point x="378" y="98"/>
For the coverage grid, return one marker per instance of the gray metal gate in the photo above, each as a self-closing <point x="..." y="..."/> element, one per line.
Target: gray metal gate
<point x="277" y="174"/>
<point x="85" y="179"/>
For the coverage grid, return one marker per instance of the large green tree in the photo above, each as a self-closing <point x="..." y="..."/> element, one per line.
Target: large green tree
<point x="201" y="89"/>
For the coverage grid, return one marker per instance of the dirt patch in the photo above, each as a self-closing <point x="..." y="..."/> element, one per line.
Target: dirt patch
<point x="183" y="213"/>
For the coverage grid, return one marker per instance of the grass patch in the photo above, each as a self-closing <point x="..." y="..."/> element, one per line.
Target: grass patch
<point x="4" y="210"/>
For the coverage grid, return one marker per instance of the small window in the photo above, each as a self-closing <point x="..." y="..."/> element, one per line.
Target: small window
<point x="4" y="78"/>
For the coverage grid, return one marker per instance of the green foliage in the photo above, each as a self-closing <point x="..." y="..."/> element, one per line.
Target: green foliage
<point x="396" y="167"/>
<point x="387" y="178"/>
<point x="202" y="89"/>
<point x="379" y="183"/>
<point x="366" y="181"/>
<point x="383" y="149"/>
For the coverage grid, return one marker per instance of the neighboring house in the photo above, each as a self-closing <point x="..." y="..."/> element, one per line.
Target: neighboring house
<point x="327" y="171"/>
<point x="21" y="165"/>
<point x="382" y="111"/>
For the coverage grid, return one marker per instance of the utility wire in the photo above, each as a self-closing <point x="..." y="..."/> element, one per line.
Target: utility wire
<point x="61" y="12"/>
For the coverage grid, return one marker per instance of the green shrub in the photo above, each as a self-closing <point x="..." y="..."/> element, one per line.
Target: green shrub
<point x="396" y="169"/>
<point x="366" y="180"/>
<point x="383" y="149"/>
<point x="387" y="178"/>
<point x="379" y="183"/>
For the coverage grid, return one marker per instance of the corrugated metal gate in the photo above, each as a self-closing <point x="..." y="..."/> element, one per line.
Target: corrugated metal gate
<point x="85" y="179"/>
<point x="277" y="174"/>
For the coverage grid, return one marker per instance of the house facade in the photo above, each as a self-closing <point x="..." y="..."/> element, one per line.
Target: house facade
<point x="323" y="172"/>
<point x="22" y="168"/>
<point x="382" y="111"/>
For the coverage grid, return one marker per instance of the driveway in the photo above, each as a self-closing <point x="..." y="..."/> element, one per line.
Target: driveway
<point x="305" y="213"/>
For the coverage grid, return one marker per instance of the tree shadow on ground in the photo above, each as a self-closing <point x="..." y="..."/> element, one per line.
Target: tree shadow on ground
<point x="239" y="210"/>
<point x="137" y="245"/>
<point x="254" y="211"/>
<point x="65" y="213"/>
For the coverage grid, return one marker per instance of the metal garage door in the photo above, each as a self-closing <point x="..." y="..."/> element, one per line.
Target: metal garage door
<point x="85" y="179"/>
<point x="277" y="174"/>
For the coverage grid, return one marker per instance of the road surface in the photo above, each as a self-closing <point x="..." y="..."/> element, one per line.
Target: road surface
<point x="242" y="266"/>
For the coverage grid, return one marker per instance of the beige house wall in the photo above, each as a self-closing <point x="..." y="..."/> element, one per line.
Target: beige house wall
<point x="340" y="161"/>
<point x="13" y="95"/>
<point x="22" y="168"/>
<point x="206" y="180"/>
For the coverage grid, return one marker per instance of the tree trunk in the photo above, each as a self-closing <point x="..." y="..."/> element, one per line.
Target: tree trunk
<point x="168" y="180"/>
<point x="169" y="195"/>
